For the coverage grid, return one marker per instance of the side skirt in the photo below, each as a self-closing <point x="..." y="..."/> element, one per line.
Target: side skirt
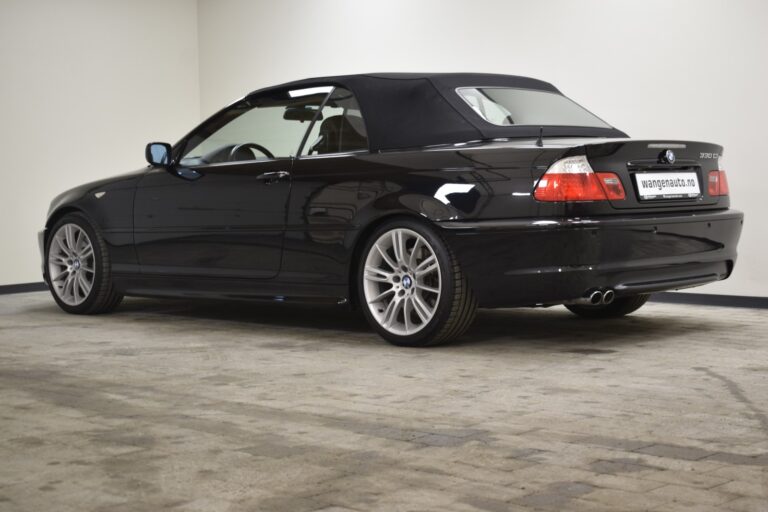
<point x="229" y="289"/>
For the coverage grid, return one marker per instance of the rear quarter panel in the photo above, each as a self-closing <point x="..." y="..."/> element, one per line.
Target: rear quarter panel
<point x="336" y="201"/>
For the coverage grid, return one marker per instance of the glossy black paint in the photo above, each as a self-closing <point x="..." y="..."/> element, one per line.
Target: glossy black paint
<point x="225" y="220"/>
<point x="291" y="229"/>
<point x="517" y="263"/>
<point x="228" y="233"/>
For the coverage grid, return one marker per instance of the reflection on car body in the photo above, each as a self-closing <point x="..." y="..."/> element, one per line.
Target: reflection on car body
<point x="415" y="197"/>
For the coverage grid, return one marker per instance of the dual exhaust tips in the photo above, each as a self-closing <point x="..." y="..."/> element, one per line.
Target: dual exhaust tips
<point x="595" y="298"/>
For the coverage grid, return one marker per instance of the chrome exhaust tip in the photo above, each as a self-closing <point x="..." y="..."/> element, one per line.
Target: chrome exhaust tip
<point x="608" y="296"/>
<point x="593" y="298"/>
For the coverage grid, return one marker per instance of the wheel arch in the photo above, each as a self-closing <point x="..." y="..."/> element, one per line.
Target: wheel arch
<point x="383" y="206"/>
<point x="53" y="218"/>
<point x="57" y="214"/>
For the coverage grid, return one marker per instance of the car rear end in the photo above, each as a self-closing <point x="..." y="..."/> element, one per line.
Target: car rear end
<point x="618" y="217"/>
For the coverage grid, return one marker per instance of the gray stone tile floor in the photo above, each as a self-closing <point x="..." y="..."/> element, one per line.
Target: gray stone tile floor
<point x="204" y="406"/>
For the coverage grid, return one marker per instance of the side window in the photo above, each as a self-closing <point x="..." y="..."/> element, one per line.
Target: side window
<point x="339" y="128"/>
<point x="256" y="128"/>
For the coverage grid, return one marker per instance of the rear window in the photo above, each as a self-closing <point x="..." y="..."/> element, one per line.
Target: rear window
<point x="507" y="106"/>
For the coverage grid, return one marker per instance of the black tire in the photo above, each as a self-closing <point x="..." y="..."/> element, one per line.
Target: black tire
<point x="619" y="307"/>
<point x="456" y="307"/>
<point x="102" y="298"/>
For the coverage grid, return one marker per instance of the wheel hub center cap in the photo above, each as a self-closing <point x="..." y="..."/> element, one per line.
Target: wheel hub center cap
<point x="407" y="282"/>
<point x="76" y="265"/>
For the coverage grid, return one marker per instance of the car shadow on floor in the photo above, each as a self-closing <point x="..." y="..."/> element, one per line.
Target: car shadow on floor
<point x="249" y="313"/>
<point x="533" y="328"/>
<point x="537" y="329"/>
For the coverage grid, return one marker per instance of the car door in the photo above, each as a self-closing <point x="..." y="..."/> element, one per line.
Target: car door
<point x="220" y="210"/>
<point x="328" y="186"/>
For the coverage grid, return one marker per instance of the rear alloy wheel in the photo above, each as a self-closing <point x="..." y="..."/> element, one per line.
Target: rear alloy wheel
<point x="411" y="286"/>
<point x="77" y="268"/>
<point x="619" y="307"/>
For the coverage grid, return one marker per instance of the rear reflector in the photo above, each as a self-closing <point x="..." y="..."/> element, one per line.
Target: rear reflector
<point x="572" y="179"/>
<point x="717" y="184"/>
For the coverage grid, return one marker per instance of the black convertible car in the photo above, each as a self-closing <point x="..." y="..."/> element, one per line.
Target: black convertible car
<point x="416" y="197"/>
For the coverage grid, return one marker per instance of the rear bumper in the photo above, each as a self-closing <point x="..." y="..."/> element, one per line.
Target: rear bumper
<point x="549" y="261"/>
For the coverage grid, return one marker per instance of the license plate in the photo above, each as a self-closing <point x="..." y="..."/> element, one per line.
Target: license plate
<point x="667" y="185"/>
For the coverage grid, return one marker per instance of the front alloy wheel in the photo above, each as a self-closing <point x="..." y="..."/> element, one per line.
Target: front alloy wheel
<point x="78" y="269"/>
<point x="412" y="289"/>
<point x="71" y="264"/>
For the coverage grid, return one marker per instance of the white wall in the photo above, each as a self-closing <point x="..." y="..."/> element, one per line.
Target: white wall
<point x="84" y="85"/>
<point x="688" y="69"/>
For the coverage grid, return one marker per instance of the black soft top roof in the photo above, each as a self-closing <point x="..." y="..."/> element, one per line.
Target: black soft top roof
<point x="403" y="110"/>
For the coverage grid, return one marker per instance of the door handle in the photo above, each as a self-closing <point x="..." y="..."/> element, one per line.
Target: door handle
<point x="273" y="177"/>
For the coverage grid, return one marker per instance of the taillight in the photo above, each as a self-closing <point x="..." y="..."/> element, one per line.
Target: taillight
<point x="572" y="179"/>
<point x="611" y="183"/>
<point x="717" y="184"/>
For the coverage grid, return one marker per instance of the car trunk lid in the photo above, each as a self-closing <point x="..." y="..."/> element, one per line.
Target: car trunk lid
<point x="658" y="174"/>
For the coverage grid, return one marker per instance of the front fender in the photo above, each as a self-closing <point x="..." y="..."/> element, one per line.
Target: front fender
<point x="108" y="203"/>
<point x="101" y="200"/>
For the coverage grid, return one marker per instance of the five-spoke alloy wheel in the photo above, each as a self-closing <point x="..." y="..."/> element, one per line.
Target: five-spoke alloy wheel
<point x="411" y="287"/>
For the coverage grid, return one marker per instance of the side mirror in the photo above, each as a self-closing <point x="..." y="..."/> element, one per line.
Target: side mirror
<point x="158" y="153"/>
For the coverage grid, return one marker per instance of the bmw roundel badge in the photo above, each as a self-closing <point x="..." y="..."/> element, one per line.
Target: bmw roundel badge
<point x="668" y="157"/>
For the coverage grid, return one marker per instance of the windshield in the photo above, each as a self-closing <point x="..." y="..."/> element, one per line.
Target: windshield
<point x="507" y="106"/>
<point x="258" y="128"/>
